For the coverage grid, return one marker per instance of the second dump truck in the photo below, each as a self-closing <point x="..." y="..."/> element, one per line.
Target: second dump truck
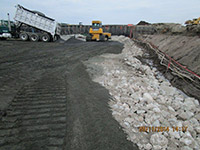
<point x="96" y="32"/>
<point x="30" y="25"/>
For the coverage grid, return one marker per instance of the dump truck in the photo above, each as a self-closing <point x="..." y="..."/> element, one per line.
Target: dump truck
<point x="96" y="32"/>
<point x="30" y="25"/>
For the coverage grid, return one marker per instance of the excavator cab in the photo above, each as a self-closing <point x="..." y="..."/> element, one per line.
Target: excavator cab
<point x="196" y="21"/>
<point x="96" y="25"/>
<point x="96" y="32"/>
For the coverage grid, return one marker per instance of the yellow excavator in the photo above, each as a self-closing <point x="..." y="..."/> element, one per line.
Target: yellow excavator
<point x="195" y="21"/>
<point x="192" y="24"/>
<point x="96" y="33"/>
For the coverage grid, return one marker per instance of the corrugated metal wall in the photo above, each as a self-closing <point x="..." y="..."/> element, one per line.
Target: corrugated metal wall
<point x="130" y="31"/>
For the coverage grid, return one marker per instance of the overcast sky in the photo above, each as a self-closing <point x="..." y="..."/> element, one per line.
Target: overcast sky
<point x="108" y="11"/>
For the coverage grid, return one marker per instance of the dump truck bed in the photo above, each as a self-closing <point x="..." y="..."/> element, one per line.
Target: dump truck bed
<point x="37" y="20"/>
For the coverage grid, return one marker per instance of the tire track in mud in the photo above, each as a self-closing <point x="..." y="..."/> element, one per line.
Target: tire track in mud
<point x="36" y="118"/>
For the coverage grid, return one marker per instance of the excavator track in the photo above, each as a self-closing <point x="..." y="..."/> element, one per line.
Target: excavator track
<point x="37" y="116"/>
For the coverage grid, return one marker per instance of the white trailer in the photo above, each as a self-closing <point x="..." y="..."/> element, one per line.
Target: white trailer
<point x="42" y="27"/>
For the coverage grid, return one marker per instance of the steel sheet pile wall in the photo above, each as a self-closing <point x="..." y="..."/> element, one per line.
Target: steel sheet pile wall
<point x="130" y="31"/>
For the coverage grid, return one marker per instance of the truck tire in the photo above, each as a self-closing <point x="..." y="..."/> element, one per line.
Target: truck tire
<point x="88" y="38"/>
<point x="57" y="37"/>
<point x="45" y="38"/>
<point x="34" y="37"/>
<point x="23" y="36"/>
<point x="102" y="38"/>
<point x="106" y="38"/>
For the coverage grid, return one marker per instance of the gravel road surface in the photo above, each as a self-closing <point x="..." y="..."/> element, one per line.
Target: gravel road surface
<point x="49" y="102"/>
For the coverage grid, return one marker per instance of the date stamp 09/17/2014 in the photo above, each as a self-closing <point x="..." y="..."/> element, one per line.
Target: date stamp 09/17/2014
<point x="162" y="129"/>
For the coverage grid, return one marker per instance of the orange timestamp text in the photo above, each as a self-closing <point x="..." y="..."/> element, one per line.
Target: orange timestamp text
<point x="162" y="129"/>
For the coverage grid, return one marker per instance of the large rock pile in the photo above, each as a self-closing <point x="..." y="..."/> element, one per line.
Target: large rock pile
<point x="144" y="98"/>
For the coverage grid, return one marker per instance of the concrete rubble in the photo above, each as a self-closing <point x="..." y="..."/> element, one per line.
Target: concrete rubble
<point x="142" y="97"/>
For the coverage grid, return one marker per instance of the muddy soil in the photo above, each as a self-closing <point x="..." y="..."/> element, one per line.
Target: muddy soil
<point x="48" y="100"/>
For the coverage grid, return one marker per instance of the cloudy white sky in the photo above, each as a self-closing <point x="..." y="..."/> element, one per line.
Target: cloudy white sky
<point x="108" y="11"/>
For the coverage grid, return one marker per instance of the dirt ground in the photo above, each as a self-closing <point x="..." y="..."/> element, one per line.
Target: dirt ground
<point x="185" y="50"/>
<point x="48" y="100"/>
